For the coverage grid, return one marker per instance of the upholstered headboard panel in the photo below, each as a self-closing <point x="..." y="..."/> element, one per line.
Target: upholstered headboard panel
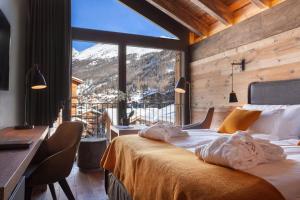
<point x="285" y="92"/>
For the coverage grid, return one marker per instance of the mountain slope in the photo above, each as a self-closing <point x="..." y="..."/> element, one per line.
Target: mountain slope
<point x="147" y="70"/>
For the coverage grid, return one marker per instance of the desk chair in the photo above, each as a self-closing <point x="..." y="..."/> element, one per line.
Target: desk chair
<point x="54" y="160"/>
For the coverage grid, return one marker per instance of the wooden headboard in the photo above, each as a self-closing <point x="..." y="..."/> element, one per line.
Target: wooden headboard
<point x="285" y="92"/>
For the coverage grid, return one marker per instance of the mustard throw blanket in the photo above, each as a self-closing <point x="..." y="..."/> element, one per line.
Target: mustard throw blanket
<point x="153" y="170"/>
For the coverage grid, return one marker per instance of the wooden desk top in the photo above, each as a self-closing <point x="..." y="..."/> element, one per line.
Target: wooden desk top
<point x="13" y="163"/>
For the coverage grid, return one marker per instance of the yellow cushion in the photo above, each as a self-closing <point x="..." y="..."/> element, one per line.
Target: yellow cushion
<point x="239" y="120"/>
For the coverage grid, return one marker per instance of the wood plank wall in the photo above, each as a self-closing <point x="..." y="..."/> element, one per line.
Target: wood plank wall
<point x="270" y="43"/>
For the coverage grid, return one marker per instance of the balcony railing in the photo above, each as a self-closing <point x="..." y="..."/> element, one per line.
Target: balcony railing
<point x="92" y="114"/>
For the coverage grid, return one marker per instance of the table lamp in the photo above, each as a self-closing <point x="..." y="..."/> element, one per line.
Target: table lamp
<point x="36" y="82"/>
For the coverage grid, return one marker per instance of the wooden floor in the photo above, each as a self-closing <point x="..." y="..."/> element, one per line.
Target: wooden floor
<point x="85" y="186"/>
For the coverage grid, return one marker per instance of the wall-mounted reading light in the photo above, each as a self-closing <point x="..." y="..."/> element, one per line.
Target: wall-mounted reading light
<point x="232" y="96"/>
<point x="242" y="64"/>
<point x="181" y="89"/>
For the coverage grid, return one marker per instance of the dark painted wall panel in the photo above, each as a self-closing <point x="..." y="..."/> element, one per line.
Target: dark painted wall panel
<point x="11" y="101"/>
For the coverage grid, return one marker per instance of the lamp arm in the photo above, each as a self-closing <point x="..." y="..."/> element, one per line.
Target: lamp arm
<point x="28" y="73"/>
<point x="26" y="92"/>
<point x="190" y="111"/>
<point x="232" y="77"/>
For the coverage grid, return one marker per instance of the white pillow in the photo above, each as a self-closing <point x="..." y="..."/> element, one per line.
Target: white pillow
<point x="288" y="126"/>
<point x="267" y="121"/>
<point x="263" y="107"/>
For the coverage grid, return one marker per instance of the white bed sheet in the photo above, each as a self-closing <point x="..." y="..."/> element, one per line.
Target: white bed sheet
<point x="283" y="175"/>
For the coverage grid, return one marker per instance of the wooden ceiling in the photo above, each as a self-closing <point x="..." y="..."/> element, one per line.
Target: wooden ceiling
<point x="207" y="17"/>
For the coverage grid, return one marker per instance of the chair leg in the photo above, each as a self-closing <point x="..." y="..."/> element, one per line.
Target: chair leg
<point x="28" y="192"/>
<point x="52" y="190"/>
<point x="65" y="186"/>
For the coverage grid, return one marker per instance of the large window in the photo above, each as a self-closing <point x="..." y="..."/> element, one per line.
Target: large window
<point x="150" y="84"/>
<point x="98" y="68"/>
<point x="94" y="83"/>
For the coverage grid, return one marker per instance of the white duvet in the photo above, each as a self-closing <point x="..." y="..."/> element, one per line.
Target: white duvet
<point x="283" y="175"/>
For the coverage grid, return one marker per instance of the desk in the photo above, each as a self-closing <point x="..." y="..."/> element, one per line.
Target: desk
<point x="118" y="131"/>
<point x="13" y="163"/>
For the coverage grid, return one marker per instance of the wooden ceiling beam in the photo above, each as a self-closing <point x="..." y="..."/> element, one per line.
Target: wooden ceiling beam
<point x="156" y="16"/>
<point x="216" y="9"/>
<point x="262" y="3"/>
<point x="181" y="15"/>
<point x="125" y="38"/>
<point x="237" y="5"/>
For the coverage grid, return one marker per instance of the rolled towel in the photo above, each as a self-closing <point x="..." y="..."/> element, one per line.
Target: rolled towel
<point x="163" y="132"/>
<point x="239" y="151"/>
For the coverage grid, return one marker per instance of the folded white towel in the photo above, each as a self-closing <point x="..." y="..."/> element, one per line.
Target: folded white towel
<point x="163" y="132"/>
<point x="240" y="151"/>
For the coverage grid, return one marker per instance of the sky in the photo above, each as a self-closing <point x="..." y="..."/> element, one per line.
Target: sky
<point x="111" y="15"/>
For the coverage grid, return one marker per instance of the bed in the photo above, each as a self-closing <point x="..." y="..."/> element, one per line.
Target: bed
<point x="282" y="181"/>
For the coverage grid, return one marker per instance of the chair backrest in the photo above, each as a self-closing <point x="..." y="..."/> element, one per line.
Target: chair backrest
<point x="61" y="149"/>
<point x="208" y="119"/>
<point x="67" y="135"/>
<point x="205" y="124"/>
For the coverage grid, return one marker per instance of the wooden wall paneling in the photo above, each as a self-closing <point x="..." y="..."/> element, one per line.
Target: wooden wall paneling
<point x="273" y="58"/>
<point x="253" y="29"/>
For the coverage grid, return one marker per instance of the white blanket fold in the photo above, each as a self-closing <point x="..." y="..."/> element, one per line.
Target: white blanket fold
<point x="162" y="132"/>
<point x="240" y="151"/>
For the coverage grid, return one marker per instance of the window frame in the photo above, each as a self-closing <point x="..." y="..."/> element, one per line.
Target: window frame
<point x="125" y="39"/>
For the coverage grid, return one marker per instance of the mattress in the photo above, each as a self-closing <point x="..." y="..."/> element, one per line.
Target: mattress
<point x="283" y="175"/>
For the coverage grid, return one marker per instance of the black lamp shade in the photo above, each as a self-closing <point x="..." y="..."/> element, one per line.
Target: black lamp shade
<point x="233" y="97"/>
<point x="181" y="86"/>
<point x="38" y="81"/>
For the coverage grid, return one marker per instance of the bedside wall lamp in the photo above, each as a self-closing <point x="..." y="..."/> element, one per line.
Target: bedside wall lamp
<point x="181" y="88"/>
<point x="181" y="85"/>
<point x="242" y="64"/>
<point x="232" y="96"/>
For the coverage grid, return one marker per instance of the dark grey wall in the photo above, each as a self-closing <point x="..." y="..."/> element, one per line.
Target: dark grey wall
<point x="11" y="101"/>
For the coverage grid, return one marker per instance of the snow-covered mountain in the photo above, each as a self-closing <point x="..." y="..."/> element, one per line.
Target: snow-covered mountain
<point x="107" y="51"/>
<point x="147" y="70"/>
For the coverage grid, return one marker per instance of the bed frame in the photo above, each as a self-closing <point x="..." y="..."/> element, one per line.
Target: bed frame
<point x="285" y="92"/>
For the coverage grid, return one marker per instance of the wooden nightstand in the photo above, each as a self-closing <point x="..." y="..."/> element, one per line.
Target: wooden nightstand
<point x="118" y="130"/>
